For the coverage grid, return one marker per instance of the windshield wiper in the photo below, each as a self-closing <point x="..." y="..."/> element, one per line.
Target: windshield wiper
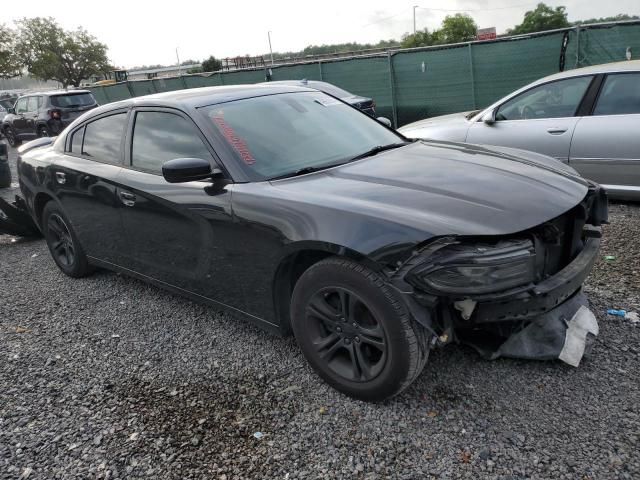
<point x="377" y="149"/>
<point x="306" y="170"/>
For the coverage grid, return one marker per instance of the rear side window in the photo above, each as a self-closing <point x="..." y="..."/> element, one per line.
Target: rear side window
<point x="620" y="95"/>
<point x="32" y="104"/>
<point x="102" y="138"/>
<point x="160" y="136"/>
<point x="73" y="100"/>
<point x="550" y="100"/>
<point x="76" y="141"/>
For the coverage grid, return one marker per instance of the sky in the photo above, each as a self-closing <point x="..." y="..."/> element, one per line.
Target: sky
<point x="146" y="33"/>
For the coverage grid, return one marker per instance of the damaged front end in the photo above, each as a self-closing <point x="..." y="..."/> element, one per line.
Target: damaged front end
<point x="15" y="219"/>
<point x="515" y="296"/>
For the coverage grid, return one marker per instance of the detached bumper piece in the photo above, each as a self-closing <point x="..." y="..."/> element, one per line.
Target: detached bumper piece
<point x="14" y="219"/>
<point x="563" y="333"/>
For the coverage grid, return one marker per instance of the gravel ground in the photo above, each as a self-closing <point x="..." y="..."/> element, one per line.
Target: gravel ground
<point x="107" y="377"/>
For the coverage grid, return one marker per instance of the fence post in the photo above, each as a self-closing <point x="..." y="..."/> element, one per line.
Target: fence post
<point x="320" y="67"/>
<point x="184" y="84"/>
<point x="394" y="107"/>
<point x="577" y="65"/>
<point x="473" y="82"/>
<point x="129" y="88"/>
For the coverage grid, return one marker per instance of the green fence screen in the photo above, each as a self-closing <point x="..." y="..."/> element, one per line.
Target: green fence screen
<point x="409" y="85"/>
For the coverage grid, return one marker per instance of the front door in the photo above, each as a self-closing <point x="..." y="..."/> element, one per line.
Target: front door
<point x="19" y="123"/>
<point x="541" y="119"/>
<point x="175" y="232"/>
<point x="606" y="145"/>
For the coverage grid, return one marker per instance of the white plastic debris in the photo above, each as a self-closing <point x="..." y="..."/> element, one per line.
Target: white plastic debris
<point x="258" y="435"/>
<point x="632" y="316"/>
<point x="582" y="323"/>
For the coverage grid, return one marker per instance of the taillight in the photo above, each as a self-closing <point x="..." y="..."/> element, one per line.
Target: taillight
<point x="55" y="114"/>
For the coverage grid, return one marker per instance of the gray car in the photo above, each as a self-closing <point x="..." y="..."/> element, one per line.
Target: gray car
<point x="588" y="118"/>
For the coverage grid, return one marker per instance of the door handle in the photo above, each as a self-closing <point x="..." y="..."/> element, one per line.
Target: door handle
<point x="61" y="178"/>
<point x="556" y="130"/>
<point x="128" y="198"/>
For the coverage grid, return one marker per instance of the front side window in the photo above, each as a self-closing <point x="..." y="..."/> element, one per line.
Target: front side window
<point x="275" y="135"/>
<point x="161" y="136"/>
<point x="21" y="105"/>
<point x="102" y="138"/>
<point x="620" y="95"/>
<point x="552" y="100"/>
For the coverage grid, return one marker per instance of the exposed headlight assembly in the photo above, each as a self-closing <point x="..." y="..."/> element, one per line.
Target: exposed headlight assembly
<point x="468" y="269"/>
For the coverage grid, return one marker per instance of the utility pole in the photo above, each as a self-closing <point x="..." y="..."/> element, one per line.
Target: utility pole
<point x="414" y="18"/>
<point x="270" y="49"/>
<point x="179" y="66"/>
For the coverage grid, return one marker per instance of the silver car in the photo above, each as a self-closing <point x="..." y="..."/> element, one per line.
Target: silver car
<point x="588" y="118"/>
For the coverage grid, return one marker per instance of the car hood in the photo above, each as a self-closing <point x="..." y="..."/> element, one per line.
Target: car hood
<point x="443" y="120"/>
<point x="444" y="188"/>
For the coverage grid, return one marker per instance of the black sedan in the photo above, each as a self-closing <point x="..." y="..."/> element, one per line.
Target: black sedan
<point x="301" y="213"/>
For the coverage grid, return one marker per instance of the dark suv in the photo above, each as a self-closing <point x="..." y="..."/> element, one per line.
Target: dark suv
<point x="44" y="114"/>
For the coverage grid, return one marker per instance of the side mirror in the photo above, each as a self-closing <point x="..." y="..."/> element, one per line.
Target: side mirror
<point x="385" y="121"/>
<point x="182" y="170"/>
<point x="490" y="117"/>
<point x="11" y="110"/>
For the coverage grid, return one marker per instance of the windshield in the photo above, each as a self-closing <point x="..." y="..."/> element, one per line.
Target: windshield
<point x="276" y="135"/>
<point x="73" y="100"/>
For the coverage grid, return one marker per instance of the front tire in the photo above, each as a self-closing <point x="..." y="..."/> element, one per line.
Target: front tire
<point x="63" y="242"/>
<point x="10" y="135"/>
<point x="355" y="332"/>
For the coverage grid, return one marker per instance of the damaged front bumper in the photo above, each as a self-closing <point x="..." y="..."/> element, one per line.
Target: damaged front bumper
<point x="518" y="296"/>
<point x="15" y="219"/>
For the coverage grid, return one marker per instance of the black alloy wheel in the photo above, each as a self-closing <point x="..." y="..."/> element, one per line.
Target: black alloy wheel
<point x="346" y="334"/>
<point x="62" y="248"/>
<point x="354" y="330"/>
<point x="63" y="243"/>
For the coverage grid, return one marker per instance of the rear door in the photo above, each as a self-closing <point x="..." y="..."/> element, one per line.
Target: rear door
<point x="175" y="232"/>
<point x="541" y="119"/>
<point x="606" y="144"/>
<point x="32" y="115"/>
<point x="84" y="180"/>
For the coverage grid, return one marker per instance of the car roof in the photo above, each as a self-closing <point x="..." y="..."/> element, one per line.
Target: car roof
<point x="201" y="97"/>
<point x="626" y="66"/>
<point x="52" y="93"/>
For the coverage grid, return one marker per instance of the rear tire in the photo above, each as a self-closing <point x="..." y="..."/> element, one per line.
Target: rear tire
<point x="43" y="131"/>
<point x="63" y="242"/>
<point x="355" y="332"/>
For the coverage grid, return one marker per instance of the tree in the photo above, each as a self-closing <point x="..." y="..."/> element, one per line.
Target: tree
<point x="422" y="38"/>
<point x="455" y="29"/>
<point x="211" y="64"/>
<point x="9" y="64"/>
<point x="542" y="18"/>
<point x="616" y="18"/>
<point x="51" y="53"/>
